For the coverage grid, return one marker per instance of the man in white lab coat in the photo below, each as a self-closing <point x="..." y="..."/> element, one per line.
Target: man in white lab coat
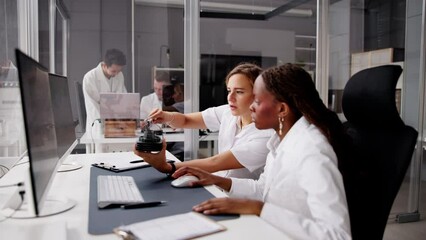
<point x="106" y="77"/>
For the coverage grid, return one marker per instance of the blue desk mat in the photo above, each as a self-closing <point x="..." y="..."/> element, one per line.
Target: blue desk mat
<point x="154" y="186"/>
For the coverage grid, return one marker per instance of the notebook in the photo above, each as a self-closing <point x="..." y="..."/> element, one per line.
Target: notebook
<point x="180" y="226"/>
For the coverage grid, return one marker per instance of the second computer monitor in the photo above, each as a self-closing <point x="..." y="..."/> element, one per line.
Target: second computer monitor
<point x="62" y="113"/>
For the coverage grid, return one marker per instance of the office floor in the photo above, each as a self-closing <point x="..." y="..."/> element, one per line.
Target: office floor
<point x="407" y="231"/>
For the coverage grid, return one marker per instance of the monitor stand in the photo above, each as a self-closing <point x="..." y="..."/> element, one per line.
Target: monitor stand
<point x="67" y="167"/>
<point x="52" y="206"/>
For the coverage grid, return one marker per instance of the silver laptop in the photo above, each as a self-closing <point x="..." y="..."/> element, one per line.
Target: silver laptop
<point x="119" y="105"/>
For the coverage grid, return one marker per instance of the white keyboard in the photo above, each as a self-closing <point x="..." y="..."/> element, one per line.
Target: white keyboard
<point x="117" y="190"/>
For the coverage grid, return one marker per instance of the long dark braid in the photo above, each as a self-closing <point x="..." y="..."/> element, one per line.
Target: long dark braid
<point x="291" y="84"/>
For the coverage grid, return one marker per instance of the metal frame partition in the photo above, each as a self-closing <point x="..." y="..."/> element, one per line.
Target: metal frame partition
<point x="192" y="73"/>
<point x="57" y="5"/>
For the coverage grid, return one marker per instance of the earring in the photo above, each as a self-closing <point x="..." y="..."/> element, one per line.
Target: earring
<point x="281" y="121"/>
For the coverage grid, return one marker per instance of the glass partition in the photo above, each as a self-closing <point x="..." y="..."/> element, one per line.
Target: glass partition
<point x="61" y="38"/>
<point x="59" y="42"/>
<point x="158" y="42"/>
<point x="266" y="33"/>
<point x="159" y="54"/>
<point x="43" y="32"/>
<point x="12" y="135"/>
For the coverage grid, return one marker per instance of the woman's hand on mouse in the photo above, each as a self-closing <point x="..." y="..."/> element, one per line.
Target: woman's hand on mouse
<point x="205" y="178"/>
<point x="229" y="205"/>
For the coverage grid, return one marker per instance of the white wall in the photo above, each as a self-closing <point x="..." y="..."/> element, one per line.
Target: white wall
<point x="275" y="43"/>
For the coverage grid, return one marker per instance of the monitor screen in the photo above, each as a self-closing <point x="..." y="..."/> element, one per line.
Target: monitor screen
<point x="39" y="127"/>
<point x="62" y="114"/>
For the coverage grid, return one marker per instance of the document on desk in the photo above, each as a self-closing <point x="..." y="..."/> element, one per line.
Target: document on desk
<point x="181" y="226"/>
<point x="123" y="161"/>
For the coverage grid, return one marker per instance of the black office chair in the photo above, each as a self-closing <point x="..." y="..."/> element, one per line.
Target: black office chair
<point x="383" y="148"/>
<point x="81" y="107"/>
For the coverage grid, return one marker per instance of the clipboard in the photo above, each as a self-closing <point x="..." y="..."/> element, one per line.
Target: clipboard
<point x="120" y="167"/>
<point x="122" y="162"/>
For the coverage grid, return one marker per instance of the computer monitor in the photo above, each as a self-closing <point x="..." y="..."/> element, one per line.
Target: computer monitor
<point x="65" y="125"/>
<point x="119" y="105"/>
<point x="40" y="138"/>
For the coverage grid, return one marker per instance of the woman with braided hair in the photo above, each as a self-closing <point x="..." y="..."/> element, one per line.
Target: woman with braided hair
<point x="301" y="191"/>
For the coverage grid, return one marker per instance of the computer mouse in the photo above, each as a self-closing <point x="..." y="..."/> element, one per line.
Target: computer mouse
<point x="184" y="181"/>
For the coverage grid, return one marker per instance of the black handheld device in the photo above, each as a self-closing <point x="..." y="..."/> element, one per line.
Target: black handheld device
<point x="151" y="140"/>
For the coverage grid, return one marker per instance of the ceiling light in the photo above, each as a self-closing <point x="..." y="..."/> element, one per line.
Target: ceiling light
<point x="228" y="7"/>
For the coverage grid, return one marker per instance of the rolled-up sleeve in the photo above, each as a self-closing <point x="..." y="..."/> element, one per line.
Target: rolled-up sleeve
<point x="252" y="154"/>
<point x="212" y="117"/>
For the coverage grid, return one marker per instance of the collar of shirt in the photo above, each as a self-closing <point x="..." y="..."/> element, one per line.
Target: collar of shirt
<point x="239" y="125"/>
<point x="274" y="142"/>
<point x="244" y="131"/>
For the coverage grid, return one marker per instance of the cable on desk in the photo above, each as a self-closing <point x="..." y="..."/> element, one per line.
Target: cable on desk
<point x="20" y="158"/>
<point x="13" y="185"/>
<point x="3" y="170"/>
<point x="91" y="130"/>
<point x="21" y="193"/>
<point x="20" y="163"/>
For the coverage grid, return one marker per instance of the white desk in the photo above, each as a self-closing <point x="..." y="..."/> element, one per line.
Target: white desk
<point x="100" y="144"/>
<point x="75" y="185"/>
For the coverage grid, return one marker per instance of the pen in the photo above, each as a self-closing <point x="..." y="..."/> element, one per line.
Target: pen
<point x="137" y="161"/>
<point x="142" y="205"/>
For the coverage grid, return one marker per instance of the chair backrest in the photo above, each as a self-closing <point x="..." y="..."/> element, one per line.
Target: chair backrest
<point x="383" y="148"/>
<point x="81" y="108"/>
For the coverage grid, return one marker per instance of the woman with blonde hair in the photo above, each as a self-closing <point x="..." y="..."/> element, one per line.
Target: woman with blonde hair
<point x="242" y="147"/>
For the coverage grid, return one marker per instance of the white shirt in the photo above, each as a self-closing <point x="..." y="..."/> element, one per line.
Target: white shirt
<point x="94" y="83"/>
<point x="301" y="187"/>
<point x="148" y="103"/>
<point x="180" y="106"/>
<point x="248" y="145"/>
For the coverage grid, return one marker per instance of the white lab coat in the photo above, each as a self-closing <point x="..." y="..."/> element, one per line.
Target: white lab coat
<point x="248" y="145"/>
<point x="94" y="83"/>
<point x="180" y="106"/>
<point x="149" y="103"/>
<point x="301" y="187"/>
